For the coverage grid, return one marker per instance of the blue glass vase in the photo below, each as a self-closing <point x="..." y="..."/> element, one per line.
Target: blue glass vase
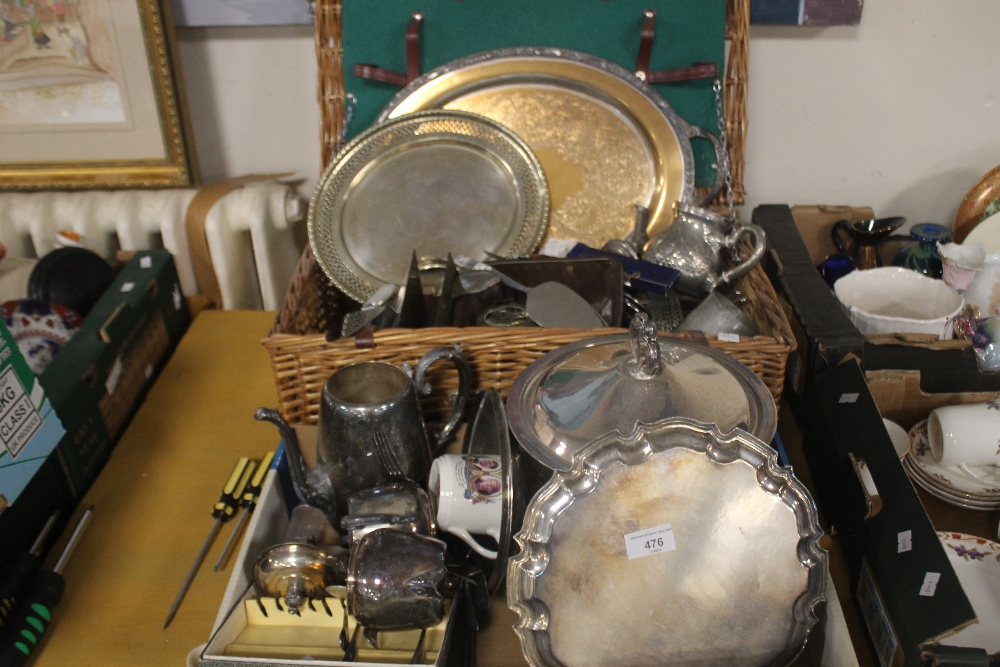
<point x="924" y="256"/>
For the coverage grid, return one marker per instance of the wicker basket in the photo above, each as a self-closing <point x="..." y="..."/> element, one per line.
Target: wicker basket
<point x="302" y="358"/>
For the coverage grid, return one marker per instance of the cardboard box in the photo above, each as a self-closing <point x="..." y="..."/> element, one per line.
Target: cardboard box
<point x="890" y="544"/>
<point x="98" y="380"/>
<point x="824" y="331"/>
<point x="815" y="224"/>
<point x="29" y="426"/>
<point x="247" y="633"/>
<point x="900" y="398"/>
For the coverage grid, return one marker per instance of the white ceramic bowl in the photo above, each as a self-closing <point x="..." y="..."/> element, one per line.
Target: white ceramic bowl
<point x="892" y="299"/>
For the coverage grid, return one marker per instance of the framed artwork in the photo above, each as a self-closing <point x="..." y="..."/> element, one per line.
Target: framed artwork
<point x="198" y="13"/>
<point x="90" y="98"/>
<point x="806" y="12"/>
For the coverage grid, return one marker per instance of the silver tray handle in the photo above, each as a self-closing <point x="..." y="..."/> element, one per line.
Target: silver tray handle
<point x="720" y="160"/>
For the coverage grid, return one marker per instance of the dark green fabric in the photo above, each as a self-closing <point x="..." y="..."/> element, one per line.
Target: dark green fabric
<point x="687" y="31"/>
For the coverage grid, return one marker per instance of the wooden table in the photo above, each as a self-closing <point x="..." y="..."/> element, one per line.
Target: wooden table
<point x="152" y="510"/>
<point x="152" y="503"/>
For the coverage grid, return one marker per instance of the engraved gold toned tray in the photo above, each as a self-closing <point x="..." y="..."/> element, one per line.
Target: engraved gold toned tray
<point x="606" y="140"/>
<point x="674" y="545"/>
<point x="432" y="183"/>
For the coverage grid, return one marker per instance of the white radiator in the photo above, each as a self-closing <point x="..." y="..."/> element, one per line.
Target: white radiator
<point x="255" y="233"/>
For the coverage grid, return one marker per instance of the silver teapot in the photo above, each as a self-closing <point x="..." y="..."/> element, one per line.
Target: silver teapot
<point x="693" y="245"/>
<point x="371" y="431"/>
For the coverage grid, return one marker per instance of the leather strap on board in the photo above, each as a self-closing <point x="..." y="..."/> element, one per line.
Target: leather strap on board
<point x="194" y="224"/>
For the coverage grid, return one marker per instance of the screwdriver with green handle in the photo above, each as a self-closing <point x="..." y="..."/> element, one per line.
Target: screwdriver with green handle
<point x="247" y="502"/>
<point x="19" y="571"/>
<point x="34" y="607"/>
<point x="222" y="512"/>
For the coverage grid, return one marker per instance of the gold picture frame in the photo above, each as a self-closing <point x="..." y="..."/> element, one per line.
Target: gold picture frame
<point x="79" y="108"/>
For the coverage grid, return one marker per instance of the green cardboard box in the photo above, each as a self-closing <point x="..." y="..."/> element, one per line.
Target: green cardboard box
<point x="29" y="426"/>
<point x="100" y="377"/>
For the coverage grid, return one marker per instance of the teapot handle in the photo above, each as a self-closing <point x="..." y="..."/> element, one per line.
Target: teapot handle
<point x="453" y="354"/>
<point x="759" y="246"/>
<point x="837" y="237"/>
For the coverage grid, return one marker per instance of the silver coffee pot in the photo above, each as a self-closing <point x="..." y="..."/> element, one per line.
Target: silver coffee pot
<point x="693" y="245"/>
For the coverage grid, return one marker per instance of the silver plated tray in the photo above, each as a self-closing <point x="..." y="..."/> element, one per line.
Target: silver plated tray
<point x="672" y="545"/>
<point x="606" y="140"/>
<point x="432" y="183"/>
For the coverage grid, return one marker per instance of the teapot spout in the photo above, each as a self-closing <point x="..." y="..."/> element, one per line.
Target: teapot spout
<point x="312" y="485"/>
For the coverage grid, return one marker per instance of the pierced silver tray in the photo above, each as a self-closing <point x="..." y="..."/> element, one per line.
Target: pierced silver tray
<point x="673" y="545"/>
<point x="431" y="183"/>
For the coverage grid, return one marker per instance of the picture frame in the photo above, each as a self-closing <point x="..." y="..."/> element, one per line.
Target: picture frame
<point x="79" y="107"/>
<point x="209" y="13"/>
<point x="806" y="12"/>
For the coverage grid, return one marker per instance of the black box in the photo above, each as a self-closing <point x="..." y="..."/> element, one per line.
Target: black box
<point x="823" y="331"/>
<point x="889" y="542"/>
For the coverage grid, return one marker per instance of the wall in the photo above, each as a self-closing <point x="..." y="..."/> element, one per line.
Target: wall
<point x="901" y="113"/>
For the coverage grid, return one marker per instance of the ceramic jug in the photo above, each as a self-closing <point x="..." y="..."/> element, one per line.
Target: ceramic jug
<point x="983" y="293"/>
<point x="371" y="431"/>
<point x="862" y="239"/>
<point x="693" y="245"/>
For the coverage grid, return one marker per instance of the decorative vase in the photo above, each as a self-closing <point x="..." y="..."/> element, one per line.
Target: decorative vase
<point x="924" y="256"/>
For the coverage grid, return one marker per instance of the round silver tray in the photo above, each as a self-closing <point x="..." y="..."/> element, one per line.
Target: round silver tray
<point x="741" y="584"/>
<point x="606" y="140"/>
<point x="431" y="183"/>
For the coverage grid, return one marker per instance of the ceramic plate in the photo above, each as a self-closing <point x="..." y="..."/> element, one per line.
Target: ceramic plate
<point x="987" y="232"/>
<point x="430" y="183"/>
<point x="981" y="201"/>
<point x="606" y="140"/>
<point x="930" y="487"/>
<point x="40" y="329"/>
<point x="979" y="481"/>
<point x="900" y="438"/>
<point x="487" y="433"/>
<point x="672" y="545"/>
<point x="977" y="565"/>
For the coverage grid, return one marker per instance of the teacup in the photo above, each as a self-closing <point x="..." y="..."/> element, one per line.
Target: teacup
<point x="394" y="580"/>
<point x="467" y="493"/>
<point x="965" y="434"/>
<point x="961" y="263"/>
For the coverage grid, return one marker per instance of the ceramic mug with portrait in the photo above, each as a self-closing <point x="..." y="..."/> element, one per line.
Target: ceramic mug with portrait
<point x="467" y="494"/>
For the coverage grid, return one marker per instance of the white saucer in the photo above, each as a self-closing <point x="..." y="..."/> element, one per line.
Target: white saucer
<point x="979" y="482"/>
